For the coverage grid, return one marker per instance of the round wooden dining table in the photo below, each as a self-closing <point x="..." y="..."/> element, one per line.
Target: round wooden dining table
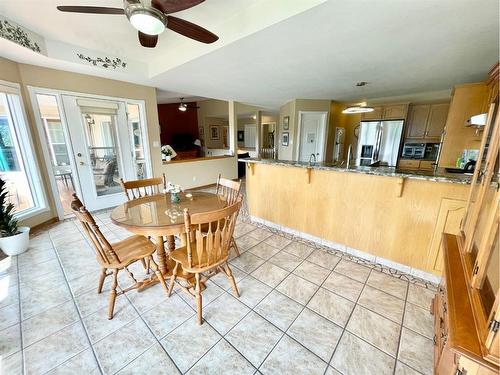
<point x="156" y="216"/>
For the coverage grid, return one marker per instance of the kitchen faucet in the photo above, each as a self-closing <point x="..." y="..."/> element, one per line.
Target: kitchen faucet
<point x="312" y="157"/>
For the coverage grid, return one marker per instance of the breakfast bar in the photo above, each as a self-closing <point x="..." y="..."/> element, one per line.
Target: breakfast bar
<point x="391" y="216"/>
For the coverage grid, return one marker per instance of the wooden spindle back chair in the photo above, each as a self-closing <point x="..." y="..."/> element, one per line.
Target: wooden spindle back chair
<point x="117" y="256"/>
<point x="140" y="188"/>
<point x="229" y="189"/>
<point x="209" y="249"/>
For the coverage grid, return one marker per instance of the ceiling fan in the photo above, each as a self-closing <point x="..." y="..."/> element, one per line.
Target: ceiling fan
<point x="151" y="20"/>
<point x="183" y="107"/>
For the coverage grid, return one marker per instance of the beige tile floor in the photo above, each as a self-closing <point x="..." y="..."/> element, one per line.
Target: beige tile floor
<point x="302" y="310"/>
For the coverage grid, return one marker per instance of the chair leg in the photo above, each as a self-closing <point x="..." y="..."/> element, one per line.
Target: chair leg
<point x="231" y="279"/>
<point x="198" y="298"/>
<point x="158" y="274"/>
<point x="143" y="261"/>
<point x="235" y="247"/>
<point x="101" y="280"/>
<point x="172" y="279"/>
<point x="148" y="263"/>
<point x="112" y="294"/>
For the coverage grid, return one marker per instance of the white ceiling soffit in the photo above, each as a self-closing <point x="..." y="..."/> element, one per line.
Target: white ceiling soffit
<point x="272" y="51"/>
<point x="399" y="47"/>
<point x="69" y="34"/>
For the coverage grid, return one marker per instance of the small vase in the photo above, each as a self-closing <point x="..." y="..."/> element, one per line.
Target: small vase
<point x="175" y="197"/>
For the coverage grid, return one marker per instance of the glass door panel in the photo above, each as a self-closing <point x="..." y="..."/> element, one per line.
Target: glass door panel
<point x="103" y="152"/>
<point x="101" y="147"/>
<point x="137" y="139"/>
<point x="57" y="142"/>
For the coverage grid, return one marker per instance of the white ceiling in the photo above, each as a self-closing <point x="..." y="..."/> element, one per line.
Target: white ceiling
<point x="271" y="52"/>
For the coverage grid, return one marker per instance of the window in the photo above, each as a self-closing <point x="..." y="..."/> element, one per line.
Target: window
<point x="137" y="142"/>
<point x="17" y="163"/>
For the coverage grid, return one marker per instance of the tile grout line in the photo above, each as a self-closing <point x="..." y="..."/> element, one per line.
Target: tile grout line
<point x="20" y="315"/>
<point x="77" y="308"/>
<point x="401" y="332"/>
<point x="344" y="329"/>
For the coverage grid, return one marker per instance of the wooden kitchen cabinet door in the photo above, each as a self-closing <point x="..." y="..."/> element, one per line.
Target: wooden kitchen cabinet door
<point x="450" y="215"/>
<point x="417" y="121"/>
<point x="375" y="115"/>
<point x="395" y="112"/>
<point x="437" y="120"/>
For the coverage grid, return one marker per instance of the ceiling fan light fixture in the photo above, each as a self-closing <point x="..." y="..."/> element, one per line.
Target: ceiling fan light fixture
<point x="147" y="20"/>
<point x="182" y="107"/>
<point x="358" y="109"/>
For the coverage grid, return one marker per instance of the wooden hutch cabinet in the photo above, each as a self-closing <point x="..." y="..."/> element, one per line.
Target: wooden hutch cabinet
<point x="466" y="306"/>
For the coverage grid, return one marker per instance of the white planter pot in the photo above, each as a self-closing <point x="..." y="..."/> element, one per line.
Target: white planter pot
<point x="16" y="244"/>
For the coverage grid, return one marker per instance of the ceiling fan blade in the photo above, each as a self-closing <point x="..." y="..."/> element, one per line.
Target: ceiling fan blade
<point x="190" y="30"/>
<point x="172" y="6"/>
<point x="148" y="41"/>
<point x="89" y="9"/>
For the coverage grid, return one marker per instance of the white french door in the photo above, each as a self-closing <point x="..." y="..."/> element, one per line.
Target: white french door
<point x="102" y="150"/>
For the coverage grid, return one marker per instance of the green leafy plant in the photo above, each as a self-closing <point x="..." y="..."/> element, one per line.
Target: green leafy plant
<point x="8" y="225"/>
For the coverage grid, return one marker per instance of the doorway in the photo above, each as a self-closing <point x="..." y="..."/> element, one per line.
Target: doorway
<point x="89" y="145"/>
<point x="312" y="135"/>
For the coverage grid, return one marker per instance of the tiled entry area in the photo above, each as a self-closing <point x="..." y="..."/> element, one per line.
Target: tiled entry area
<point x="302" y="310"/>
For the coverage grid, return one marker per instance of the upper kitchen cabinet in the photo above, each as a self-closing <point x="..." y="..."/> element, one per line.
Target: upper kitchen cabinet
<point x="387" y="112"/>
<point x="427" y="121"/>
<point x="395" y="112"/>
<point x="375" y="115"/>
<point x="467" y="100"/>
<point x="437" y="120"/>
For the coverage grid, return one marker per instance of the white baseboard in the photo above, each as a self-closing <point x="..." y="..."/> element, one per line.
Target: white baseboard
<point x="354" y="252"/>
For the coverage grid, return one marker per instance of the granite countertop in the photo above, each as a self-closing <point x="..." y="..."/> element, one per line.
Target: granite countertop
<point x="439" y="176"/>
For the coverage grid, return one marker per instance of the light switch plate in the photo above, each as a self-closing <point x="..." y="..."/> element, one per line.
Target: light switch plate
<point x="156" y="144"/>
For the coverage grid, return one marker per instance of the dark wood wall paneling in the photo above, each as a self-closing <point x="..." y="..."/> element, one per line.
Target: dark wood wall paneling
<point x="173" y="121"/>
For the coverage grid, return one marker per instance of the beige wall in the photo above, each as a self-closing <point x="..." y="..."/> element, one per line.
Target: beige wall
<point x="30" y="75"/>
<point x="200" y="173"/>
<point x="341" y="120"/>
<point x="292" y="109"/>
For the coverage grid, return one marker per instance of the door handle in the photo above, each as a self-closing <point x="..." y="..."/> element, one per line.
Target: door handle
<point x="79" y="155"/>
<point x="82" y="163"/>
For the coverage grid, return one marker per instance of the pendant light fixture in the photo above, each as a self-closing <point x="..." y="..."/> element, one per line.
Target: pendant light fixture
<point x="361" y="107"/>
<point x="182" y="106"/>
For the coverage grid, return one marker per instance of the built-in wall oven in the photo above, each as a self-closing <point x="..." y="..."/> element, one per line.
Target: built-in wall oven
<point x="413" y="151"/>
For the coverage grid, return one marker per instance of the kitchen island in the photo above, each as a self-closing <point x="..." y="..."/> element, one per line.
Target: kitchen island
<point x="390" y="216"/>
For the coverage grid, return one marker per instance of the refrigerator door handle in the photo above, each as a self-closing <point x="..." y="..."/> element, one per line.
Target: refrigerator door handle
<point x="378" y="139"/>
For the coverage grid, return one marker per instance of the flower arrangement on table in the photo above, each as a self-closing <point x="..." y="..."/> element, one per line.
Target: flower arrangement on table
<point x="174" y="191"/>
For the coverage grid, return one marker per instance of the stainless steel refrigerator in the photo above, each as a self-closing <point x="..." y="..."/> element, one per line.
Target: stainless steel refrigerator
<point x="379" y="142"/>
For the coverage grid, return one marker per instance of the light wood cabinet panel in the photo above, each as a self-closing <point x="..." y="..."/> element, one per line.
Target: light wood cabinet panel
<point x="450" y="214"/>
<point x="417" y="121"/>
<point x="409" y="164"/>
<point x="381" y="220"/>
<point x="395" y="112"/>
<point x="437" y="120"/>
<point x="375" y="115"/>
<point x="467" y="101"/>
<point x="427" y="165"/>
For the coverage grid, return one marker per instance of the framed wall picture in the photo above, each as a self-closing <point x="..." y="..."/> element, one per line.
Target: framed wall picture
<point x="201" y="131"/>
<point x="284" y="139"/>
<point x="241" y="136"/>
<point x="286" y="122"/>
<point x="214" y="132"/>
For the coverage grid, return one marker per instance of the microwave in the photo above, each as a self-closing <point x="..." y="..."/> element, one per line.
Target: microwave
<point x="413" y="151"/>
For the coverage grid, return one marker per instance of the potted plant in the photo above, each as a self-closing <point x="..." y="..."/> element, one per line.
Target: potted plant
<point x="14" y="240"/>
<point x="167" y="153"/>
